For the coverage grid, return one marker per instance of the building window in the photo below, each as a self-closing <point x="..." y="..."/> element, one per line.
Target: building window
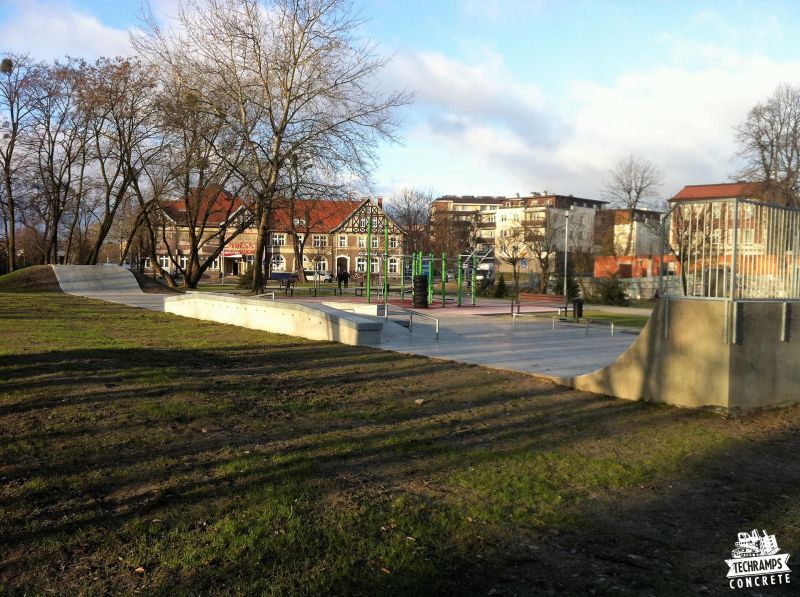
<point x="392" y="265"/>
<point x="319" y="240"/>
<point x="375" y="240"/>
<point x="278" y="239"/>
<point x="299" y="221"/>
<point x="376" y="265"/>
<point x="278" y="263"/>
<point x="182" y="261"/>
<point x="362" y="242"/>
<point x="361" y="264"/>
<point x="342" y="241"/>
<point x="300" y="237"/>
<point x="392" y="242"/>
<point x="321" y="265"/>
<point x="146" y="263"/>
<point x="214" y="264"/>
<point x="164" y="261"/>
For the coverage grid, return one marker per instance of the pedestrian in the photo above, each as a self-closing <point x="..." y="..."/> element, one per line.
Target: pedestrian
<point x="345" y="277"/>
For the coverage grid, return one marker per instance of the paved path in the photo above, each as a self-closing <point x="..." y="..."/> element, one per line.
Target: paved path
<point x="482" y="335"/>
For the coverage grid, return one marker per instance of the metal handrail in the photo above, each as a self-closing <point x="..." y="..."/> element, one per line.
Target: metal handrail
<point x="272" y="294"/>
<point x="411" y="314"/>
<point x="574" y="321"/>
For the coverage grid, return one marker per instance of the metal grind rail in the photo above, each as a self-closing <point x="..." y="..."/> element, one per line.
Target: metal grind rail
<point x="573" y="321"/>
<point x="411" y="315"/>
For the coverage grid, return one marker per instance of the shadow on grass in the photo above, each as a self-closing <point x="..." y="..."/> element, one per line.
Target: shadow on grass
<point x="309" y="468"/>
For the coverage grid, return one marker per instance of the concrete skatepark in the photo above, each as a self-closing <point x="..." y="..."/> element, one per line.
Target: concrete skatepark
<point x="690" y="353"/>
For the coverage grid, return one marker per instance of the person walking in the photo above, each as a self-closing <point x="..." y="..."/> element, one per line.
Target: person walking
<point x="339" y="278"/>
<point x="345" y="277"/>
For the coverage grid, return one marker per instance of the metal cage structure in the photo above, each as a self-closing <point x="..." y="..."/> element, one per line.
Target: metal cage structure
<point x="736" y="249"/>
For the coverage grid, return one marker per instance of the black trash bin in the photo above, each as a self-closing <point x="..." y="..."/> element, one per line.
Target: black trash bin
<point x="577" y="308"/>
<point x="421" y="291"/>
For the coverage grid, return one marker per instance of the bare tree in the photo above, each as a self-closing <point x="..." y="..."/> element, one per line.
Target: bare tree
<point x="512" y="247"/>
<point x="19" y="76"/>
<point x="769" y="146"/>
<point x="411" y="209"/>
<point x="58" y="144"/>
<point x="118" y="96"/>
<point x="631" y="182"/>
<point x="293" y="80"/>
<point x="542" y="243"/>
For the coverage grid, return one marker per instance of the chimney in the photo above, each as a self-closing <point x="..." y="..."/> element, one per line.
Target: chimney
<point x="380" y="202"/>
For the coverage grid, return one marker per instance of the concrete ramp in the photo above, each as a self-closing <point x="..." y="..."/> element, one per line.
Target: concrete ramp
<point x="708" y="353"/>
<point x="107" y="283"/>
<point x="77" y="279"/>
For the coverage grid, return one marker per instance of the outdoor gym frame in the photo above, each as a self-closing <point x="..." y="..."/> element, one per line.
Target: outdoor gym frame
<point x="418" y="263"/>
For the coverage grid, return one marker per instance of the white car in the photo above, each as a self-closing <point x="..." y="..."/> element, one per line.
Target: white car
<point x="312" y="276"/>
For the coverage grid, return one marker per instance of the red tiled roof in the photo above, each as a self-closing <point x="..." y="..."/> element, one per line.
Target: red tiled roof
<point x="214" y="207"/>
<point x="321" y="215"/>
<point x="728" y="190"/>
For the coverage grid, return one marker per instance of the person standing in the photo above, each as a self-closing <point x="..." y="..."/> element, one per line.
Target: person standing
<point x="345" y="277"/>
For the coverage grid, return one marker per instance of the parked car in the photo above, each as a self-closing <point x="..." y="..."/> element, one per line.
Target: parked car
<point x="313" y="276"/>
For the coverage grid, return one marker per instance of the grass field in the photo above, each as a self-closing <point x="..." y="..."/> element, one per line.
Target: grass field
<point x="143" y="452"/>
<point x="622" y="319"/>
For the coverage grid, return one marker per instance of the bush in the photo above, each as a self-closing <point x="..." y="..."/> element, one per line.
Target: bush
<point x="501" y="289"/>
<point x="246" y="279"/>
<point x="610" y="291"/>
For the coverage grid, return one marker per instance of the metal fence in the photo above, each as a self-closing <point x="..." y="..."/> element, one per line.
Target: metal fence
<point x="736" y="249"/>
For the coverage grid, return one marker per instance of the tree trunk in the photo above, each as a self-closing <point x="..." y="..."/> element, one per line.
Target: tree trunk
<point x="12" y="243"/>
<point x="261" y="243"/>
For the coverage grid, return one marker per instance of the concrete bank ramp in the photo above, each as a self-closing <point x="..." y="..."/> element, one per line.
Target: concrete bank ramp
<point x="107" y="283"/>
<point x="708" y="353"/>
<point x="77" y="279"/>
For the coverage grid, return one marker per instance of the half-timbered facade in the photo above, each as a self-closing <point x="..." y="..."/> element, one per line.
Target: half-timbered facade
<point x="305" y="234"/>
<point x="335" y="236"/>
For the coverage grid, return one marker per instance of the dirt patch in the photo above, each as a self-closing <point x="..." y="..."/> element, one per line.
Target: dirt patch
<point x="153" y="286"/>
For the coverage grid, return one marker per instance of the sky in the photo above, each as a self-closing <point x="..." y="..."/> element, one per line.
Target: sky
<point x="521" y="96"/>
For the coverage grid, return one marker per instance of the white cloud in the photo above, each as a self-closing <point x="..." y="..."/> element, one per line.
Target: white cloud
<point x="514" y="138"/>
<point x="49" y="30"/>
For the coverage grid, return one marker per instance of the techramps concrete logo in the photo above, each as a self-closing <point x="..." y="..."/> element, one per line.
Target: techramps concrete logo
<point x="756" y="562"/>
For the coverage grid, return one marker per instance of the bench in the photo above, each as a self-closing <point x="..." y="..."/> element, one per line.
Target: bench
<point x="286" y="282"/>
<point x="315" y="291"/>
<point x="552" y="301"/>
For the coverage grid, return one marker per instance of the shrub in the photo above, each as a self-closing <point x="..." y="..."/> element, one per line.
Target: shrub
<point x="246" y="279"/>
<point x="501" y="289"/>
<point x="610" y="291"/>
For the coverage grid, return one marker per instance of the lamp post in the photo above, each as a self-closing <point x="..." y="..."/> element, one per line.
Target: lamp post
<point x="566" y="257"/>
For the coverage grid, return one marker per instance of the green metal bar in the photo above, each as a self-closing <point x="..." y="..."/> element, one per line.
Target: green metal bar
<point x="460" y="279"/>
<point x="474" y="278"/>
<point x="430" y="278"/>
<point x="444" y="278"/>
<point x="369" y="259"/>
<point x="402" y="276"/>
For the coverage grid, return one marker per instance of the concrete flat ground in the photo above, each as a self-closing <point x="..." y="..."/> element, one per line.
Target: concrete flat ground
<point x="486" y="335"/>
<point x="481" y="335"/>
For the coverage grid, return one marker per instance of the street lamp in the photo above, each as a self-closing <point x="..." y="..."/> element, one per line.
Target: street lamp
<point x="566" y="257"/>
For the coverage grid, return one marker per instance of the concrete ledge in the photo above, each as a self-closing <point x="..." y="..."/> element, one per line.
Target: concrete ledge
<point x="317" y="322"/>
